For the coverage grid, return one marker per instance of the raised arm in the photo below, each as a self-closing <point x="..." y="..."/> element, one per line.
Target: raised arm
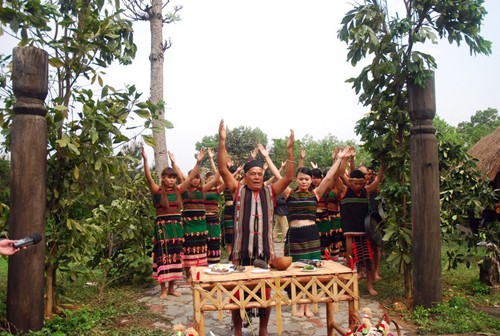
<point x="195" y="171"/>
<point x="372" y="187"/>
<point x="153" y="187"/>
<point x="280" y="185"/>
<point x="227" y="177"/>
<point x="216" y="180"/>
<point x="181" y="177"/>
<point x="272" y="167"/>
<point x="302" y="156"/>
<point x="332" y="174"/>
<point x="342" y="170"/>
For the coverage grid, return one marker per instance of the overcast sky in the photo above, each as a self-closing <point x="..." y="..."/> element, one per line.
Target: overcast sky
<point x="278" y="65"/>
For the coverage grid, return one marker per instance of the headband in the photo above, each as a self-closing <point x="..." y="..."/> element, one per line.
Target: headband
<point x="250" y="164"/>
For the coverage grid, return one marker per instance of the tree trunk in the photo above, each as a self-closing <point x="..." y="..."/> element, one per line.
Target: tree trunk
<point x="156" y="88"/>
<point x="105" y="271"/>
<point x="50" y="289"/>
<point x="408" y="281"/>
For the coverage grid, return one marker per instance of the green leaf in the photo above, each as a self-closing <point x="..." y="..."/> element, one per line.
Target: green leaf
<point x="98" y="164"/>
<point x="76" y="173"/>
<point x="61" y="108"/>
<point x="149" y="140"/>
<point x="94" y="136"/>
<point x="143" y="113"/>
<point x="73" y="148"/>
<point x="56" y="62"/>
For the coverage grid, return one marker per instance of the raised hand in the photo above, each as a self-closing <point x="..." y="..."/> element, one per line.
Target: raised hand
<point x="144" y="155"/>
<point x="201" y="154"/>
<point x="222" y="131"/>
<point x="302" y="153"/>
<point x="263" y="150"/>
<point x="291" y="140"/>
<point x="313" y="164"/>
<point x="253" y="153"/>
<point x="210" y="153"/>
<point x="171" y="157"/>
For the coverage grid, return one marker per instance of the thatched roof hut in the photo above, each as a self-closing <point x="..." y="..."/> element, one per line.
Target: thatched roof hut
<point x="487" y="151"/>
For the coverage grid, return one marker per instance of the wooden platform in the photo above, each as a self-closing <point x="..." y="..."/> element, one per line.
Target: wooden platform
<point x="329" y="284"/>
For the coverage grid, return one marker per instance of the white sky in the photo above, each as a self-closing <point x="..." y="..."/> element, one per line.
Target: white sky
<point x="278" y="65"/>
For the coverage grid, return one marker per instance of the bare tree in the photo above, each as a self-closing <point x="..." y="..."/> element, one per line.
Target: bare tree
<point x="152" y="11"/>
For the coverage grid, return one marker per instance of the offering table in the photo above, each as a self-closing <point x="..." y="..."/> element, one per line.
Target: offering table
<point x="329" y="284"/>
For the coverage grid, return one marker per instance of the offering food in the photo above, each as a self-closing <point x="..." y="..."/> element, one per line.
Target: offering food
<point x="309" y="268"/>
<point x="220" y="268"/>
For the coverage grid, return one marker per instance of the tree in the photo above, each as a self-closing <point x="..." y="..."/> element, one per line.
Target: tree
<point x="240" y="142"/>
<point x="481" y="123"/>
<point x="153" y="12"/>
<point x="387" y="41"/>
<point x="84" y="126"/>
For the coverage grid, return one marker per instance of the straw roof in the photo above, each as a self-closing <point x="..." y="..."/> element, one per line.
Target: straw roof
<point x="487" y="151"/>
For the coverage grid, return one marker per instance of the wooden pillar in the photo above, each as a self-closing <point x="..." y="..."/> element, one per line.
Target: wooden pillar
<point x="427" y="290"/>
<point x="25" y="289"/>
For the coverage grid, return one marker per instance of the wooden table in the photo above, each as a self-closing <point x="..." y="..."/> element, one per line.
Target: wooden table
<point x="329" y="284"/>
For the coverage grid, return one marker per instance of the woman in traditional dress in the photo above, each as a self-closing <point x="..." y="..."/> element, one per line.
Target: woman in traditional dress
<point x="194" y="219"/>
<point x="168" y="233"/>
<point x="303" y="239"/>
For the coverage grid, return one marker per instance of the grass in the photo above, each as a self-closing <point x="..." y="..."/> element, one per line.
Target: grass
<point x="84" y="312"/>
<point x="462" y="310"/>
<point x="119" y="312"/>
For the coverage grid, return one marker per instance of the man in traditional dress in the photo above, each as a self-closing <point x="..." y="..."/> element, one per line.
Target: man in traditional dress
<point x="254" y="201"/>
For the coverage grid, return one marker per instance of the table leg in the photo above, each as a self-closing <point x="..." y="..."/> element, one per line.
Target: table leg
<point x="330" y="320"/>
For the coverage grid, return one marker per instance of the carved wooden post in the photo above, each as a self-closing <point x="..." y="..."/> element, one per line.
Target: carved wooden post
<point x="427" y="289"/>
<point x="25" y="299"/>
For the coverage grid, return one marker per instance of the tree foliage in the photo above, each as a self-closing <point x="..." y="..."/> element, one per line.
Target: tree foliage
<point x="86" y="120"/>
<point x="386" y="42"/>
<point x="481" y="124"/>
<point x="241" y="141"/>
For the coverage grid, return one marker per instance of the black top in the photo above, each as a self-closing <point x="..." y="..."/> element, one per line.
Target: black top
<point x="280" y="209"/>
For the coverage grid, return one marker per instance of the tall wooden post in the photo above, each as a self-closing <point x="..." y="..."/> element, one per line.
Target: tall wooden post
<point x="427" y="290"/>
<point x="25" y="289"/>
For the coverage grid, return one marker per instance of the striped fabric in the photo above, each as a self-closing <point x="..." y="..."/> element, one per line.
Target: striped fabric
<point x="334" y="213"/>
<point x="212" y="201"/>
<point x="254" y="214"/>
<point x="303" y="242"/>
<point x="302" y="206"/>
<point x="168" y="240"/>
<point x="195" y="229"/>
<point x="213" y="240"/>
<point x="353" y="210"/>
<point x="228" y="218"/>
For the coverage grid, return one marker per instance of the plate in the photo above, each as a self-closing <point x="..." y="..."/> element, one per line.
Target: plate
<point x="299" y="264"/>
<point x="221" y="265"/>
<point x="209" y="271"/>
<point x="261" y="270"/>
<point x="309" y="270"/>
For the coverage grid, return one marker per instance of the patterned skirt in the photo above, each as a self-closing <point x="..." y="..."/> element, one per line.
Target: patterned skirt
<point x="213" y="240"/>
<point x="337" y="236"/>
<point x="362" y="252"/>
<point x="325" y="229"/>
<point x="195" y="241"/>
<point x="168" y="240"/>
<point x="228" y="224"/>
<point x="303" y="242"/>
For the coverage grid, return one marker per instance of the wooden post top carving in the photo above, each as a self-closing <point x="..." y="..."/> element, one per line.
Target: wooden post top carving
<point x="30" y="80"/>
<point x="422" y="106"/>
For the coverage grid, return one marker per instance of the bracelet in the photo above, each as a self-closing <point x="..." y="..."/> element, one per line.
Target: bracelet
<point x="293" y="161"/>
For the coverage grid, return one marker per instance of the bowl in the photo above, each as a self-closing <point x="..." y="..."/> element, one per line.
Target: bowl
<point x="281" y="263"/>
